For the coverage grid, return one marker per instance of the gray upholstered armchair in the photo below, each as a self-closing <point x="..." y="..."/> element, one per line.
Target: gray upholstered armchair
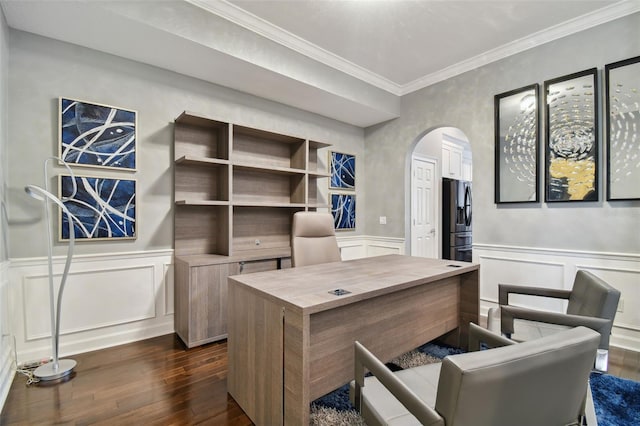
<point x="313" y="239"/>
<point x="542" y="382"/>
<point x="591" y="303"/>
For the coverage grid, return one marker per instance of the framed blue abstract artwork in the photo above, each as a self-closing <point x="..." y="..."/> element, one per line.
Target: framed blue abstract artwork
<point x="343" y="209"/>
<point x="101" y="208"/>
<point x="343" y="170"/>
<point x="97" y="135"/>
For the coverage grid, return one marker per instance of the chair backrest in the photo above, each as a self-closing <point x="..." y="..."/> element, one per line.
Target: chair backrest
<point x="313" y="239"/>
<point x="593" y="297"/>
<point x="539" y="382"/>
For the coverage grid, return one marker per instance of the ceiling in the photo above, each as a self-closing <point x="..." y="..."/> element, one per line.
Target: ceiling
<point x="349" y="60"/>
<point x="405" y="41"/>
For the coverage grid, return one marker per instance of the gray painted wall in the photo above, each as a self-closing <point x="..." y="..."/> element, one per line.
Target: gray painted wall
<point x="466" y="102"/>
<point x="430" y="145"/>
<point x="42" y="69"/>
<point x="4" y="133"/>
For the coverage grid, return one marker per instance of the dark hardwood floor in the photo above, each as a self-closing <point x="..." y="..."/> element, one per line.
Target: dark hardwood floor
<point x="157" y="382"/>
<point x="624" y="363"/>
<point x="151" y="382"/>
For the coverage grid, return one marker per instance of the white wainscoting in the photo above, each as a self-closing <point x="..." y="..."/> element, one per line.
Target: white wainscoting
<point x="113" y="299"/>
<point x="7" y="370"/>
<point x="556" y="269"/>
<point x="358" y="246"/>
<point x="109" y="299"/>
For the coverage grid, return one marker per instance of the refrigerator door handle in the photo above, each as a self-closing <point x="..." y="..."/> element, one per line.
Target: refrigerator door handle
<point x="467" y="206"/>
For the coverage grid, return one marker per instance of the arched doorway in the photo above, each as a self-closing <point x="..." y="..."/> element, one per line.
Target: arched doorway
<point x="442" y="152"/>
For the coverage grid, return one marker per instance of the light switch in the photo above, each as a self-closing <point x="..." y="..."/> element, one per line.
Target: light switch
<point x="383" y="220"/>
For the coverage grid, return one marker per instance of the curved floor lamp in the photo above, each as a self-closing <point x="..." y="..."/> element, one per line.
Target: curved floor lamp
<point x="58" y="368"/>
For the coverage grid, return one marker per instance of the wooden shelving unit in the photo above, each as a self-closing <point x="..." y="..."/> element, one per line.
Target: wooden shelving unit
<point x="236" y="189"/>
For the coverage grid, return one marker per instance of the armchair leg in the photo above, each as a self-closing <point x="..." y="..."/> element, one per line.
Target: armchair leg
<point x="602" y="360"/>
<point x="494" y="323"/>
<point x="493" y="320"/>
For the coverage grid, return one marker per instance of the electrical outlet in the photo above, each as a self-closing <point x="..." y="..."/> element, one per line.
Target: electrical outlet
<point x="383" y="220"/>
<point x="620" y="305"/>
<point x="257" y="242"/>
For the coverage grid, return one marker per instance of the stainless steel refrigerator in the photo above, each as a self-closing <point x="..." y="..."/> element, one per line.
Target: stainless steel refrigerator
<point x="456" y="219"/>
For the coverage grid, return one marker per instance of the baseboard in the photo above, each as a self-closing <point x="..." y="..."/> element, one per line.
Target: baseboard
<point x="7" y="362"/>
<point x="101" y="340"/>
<point x="7" y="370"/>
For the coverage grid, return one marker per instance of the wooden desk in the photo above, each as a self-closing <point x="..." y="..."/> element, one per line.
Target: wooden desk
<point x="290" y="341"/>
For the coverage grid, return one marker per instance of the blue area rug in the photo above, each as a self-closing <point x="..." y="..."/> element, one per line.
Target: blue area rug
<point x="616" y="400"/>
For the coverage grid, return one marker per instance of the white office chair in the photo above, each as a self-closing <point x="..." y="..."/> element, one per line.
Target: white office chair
<point x="313" y="239"/>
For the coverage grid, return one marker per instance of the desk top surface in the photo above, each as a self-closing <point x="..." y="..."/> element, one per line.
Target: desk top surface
<point x="308" y="288"/>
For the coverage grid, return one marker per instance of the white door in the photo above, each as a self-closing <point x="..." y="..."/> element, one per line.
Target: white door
<point x="424" y="238"/>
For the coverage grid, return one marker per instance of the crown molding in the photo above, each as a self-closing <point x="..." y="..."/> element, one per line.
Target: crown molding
<point x="581" y="23"/>
<point x="285" y="38"/>
<point x="278" y="35"/>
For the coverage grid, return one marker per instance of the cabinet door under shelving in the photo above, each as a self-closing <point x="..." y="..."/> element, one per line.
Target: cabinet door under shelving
<point x="201" y="293"/>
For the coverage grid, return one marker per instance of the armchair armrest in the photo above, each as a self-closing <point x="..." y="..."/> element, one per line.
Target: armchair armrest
<point x="601" y="325"/>
<point x="479" y="335"/>
<point x="505" y="289"/>
<point x="365" y="359"/>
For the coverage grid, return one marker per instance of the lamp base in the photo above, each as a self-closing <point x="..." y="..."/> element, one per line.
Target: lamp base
<point x="48" y="372"/>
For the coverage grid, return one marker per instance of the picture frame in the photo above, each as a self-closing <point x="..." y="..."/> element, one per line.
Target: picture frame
<point x="343" y="209"/>
<point x="622" y="97"/>
<point x="517" y="145"/>
<point x="342" y="171"/>
<point x="96" y="135"/>
<point x="103" y="208"/>
<point x="572" y="137"/>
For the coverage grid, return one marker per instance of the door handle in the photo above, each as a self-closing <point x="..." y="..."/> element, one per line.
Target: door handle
<point x="467" y="206"/>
